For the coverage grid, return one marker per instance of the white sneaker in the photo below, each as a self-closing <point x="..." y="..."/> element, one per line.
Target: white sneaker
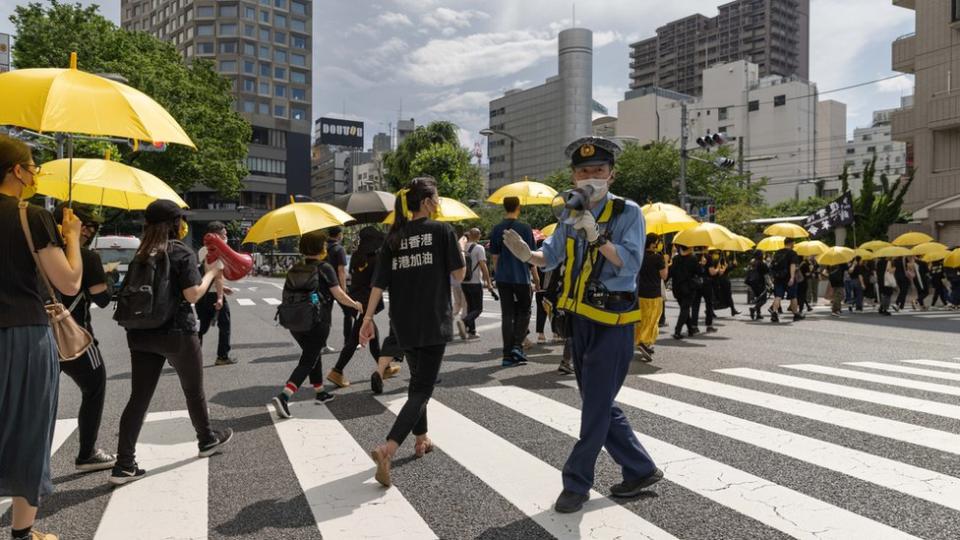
<point x="328" y="349"/>
<point x="462" y="329"/>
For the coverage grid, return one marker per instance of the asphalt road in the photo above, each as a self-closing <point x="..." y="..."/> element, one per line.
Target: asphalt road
<point x="758" y="433"/>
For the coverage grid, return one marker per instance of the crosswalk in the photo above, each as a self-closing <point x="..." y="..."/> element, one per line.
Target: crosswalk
<point x="791" y="415"/>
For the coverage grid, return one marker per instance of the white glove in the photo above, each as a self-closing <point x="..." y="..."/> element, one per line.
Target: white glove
<point x="516" y="245"/>
<point x="588" y="225"/>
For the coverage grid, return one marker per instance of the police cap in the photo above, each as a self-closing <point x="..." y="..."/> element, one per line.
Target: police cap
<point x="588" y="151"/>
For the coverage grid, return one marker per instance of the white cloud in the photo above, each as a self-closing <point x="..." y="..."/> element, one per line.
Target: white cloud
<point x="449" y="18"/>
<point x="602" y="39"/>
<point x="362" y="29"/>
<point x="415" y="5"/>
<point x="458" y="101"/>
<point x="339" y="76"/>
<point x="391" y="18"/>
<point x="608" y="96"/>
<point x="902" y="85"/>
<point x="445" y="62"/>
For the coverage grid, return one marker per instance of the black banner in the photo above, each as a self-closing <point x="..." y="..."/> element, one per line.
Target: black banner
<point x="839" y="213"/>
<point x="338" y="132"/>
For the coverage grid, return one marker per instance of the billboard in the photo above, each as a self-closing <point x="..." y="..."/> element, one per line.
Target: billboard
<point x="4" y="52"/>
<point x="340" y="132"/>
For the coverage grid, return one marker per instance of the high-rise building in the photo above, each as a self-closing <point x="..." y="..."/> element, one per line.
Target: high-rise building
<point x="404" y="128"/>
<point x="875" y="142"/>
<point x="930" y="122"/>
<point x="382" y="143"/>
<point x="543" y="119"/>
<point x="264" y="48"/>
<point x="774" y="34"/>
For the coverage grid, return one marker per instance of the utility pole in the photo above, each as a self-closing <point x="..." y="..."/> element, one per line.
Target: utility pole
<point x="684" y="135"/>
<point x="740" y="157"/>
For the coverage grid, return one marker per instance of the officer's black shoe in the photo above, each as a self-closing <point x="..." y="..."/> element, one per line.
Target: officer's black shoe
<point x="677" y="335"/>
<point x="634" y="487"/>
<point x="569" y="502"/>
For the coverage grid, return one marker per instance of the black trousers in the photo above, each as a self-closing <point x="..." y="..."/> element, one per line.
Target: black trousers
<point x="708" y="293"/>
<point x="353" y="339"/>
<point x="148" y="353"/>
<point x="473" y="293"/>
<point x="311" y="344"/>
<point x="207" y="312"/>
<point x="541" y="313"/>
<point x="903" y="286"/>
<point x="91" y="376"/>
<point x="923" y="289"/>
<point x="424" y="365"/>
<point x="759" y="296"/>
<point x="686" y="300"/>
<point x="349" y="318"/>
<point x="515" y="310"/>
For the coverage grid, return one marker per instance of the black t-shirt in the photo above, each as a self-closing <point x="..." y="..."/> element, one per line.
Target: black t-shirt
<point x="835" y="275"/>
<point x="417" y="275"/>
<point x="336" y="255"/>
<point x="683" y="269"/>
<point x="93" y="274"/>
<point x="362" y="269"/>
<point x="648" y="280"/>
<point x="782" y="261"/>
<point x="184" y="273"/>
<point x="21" y="289"/>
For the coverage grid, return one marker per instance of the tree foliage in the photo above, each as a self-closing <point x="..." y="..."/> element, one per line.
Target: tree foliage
<point x="434" y="150"/>
<point x="879" y="205"/>
<point x="195" y="95"/>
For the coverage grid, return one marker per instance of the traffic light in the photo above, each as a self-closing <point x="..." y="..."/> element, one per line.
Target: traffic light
<point x="725" y="163"/>
<point x="712" y="213"/>
<point x="710" y="140"/>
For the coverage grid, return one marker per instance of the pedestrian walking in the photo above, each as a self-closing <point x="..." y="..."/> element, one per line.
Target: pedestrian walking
<point x="415" y="265"/>
<point x="653" y="270"/>
<point x="213" y="308"/>
<point x="903" y="273"/>
<point x="29" y="374"/>
<point x="710" y="270"/>
<point x="858" y="282"/>
<point x="756" y="279"/>
<point x="939" y="284"/>
<point x="476" y="276"/>
<point x="728" y="264"/>
<point x="337" y="258"/>
<point x="785" y="278"/>
<point x="167" y="332"/>
<point x="685" y="279"/>
<point x="835" y="275"/>
<point x="921" y="283"/>
<point x="513" y="284"/>
<point x="813" y="283"/>
<point x="887" y="282"/>
<point x="311" y="286"/>
<point x="88" y="371"/>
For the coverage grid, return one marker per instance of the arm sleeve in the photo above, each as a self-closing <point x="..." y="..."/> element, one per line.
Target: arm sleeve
<point x="185" y="264"/>
<point x="554" y="248"/>
<point x="496" y="238"/>
<point x="43" y="229"/>
<point x="93" y="273"/>
<point x="328" y="275"/>
<point x="631" y="244"/>
<point x="381" y="276"/>
<point x="454" y="260"/>
<point x="660" y="262"/>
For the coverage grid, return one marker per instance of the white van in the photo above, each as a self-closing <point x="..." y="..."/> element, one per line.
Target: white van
<point x="116" y="252"/>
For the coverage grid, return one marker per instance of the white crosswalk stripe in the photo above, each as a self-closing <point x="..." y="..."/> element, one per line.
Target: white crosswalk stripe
<point x="245" y="302"/>
<point x="881" y="379"/>
<point x="908" y="370"/>
<point x="935" y="363"/>
<point x="61" y="432"/>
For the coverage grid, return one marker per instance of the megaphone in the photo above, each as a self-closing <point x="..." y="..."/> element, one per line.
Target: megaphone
<point x="235" y="265"/>
<point x="567" y="205"/>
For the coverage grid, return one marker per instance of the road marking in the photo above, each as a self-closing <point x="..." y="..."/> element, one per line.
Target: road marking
<point x="61" y="432"/>
<point x="880" y="379"/>
<point x="525" y="481"/>
<point x="245" y="302"/>
<point x="883" y="427"/>
<point x="908" y="370"/>
<point x="849" y="392"/>
<point x="490" y="316"/>
<point x="781" y="508"/>
<point x="336" y="476"/>
<point x="253" y="289"/>
<point x="887" y="473"/>
<point x="272" y="301"/>
<point x="492" y="326"/>
<point x="171" y="500"/>
<point x="935" y="363"/>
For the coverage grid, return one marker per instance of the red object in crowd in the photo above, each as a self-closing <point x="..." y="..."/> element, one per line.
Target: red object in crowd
<point x="235" y="265"/>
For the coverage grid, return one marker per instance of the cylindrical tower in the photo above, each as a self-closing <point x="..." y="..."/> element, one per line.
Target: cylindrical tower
<point x="576" y="74"/>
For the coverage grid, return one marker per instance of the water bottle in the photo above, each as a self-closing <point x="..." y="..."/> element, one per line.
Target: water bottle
<point x="314" y="298"/>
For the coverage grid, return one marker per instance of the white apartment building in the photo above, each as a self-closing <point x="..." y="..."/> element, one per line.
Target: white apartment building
<point x="368" y="176"/>
<point x="868" y="142"/>
<point x="783" y="132"/>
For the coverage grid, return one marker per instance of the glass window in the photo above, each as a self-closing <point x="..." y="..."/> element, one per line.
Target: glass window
<point x="298" y="59"/>
<point x="298" y="94"/>
<point x="249" y="106"/>
<point x="753" y="106"/>
<point x="779" y="101"/>
<point x="298" y="8"/>
<point x="204" y="29"/>
<point x="722" y="113"/>
<point x="264" y="35"/>
<point x="298" y="42"/>
<point x="871" y="149"/>
<point x="228" y="11"/>
<point x="263" y="108"/>
<point x="248" y="67"/>
<point x="280" y="55"/>
<point x="264" y="88"/>
<point x="229" y="66"/>
<point x="280" y="37"/>
<point x="205" y="11"/>
<point x="280" y="73"/>
<point x="265" y="17"/>
<point x="249" y="30"/>
<point x="249" y="85"/>
<point x="280" y="90"/>
<point x="297" y="113"/>
<point x="280" y="21"/>
<point x="228" y="47"/>
<point x="280" y="111"/>
<point x="204" y="48"/>
<point x="298" y="25"/>
<point x="265" y="69"/>
<point x="298" y="77"/>
<point x="228" y="29"/>
<point x="264" y="52"/>
<point x="282" y="4"/>
<point x="249" y="13"/>
<point x="249" y="49"/>
<point x="867" y="138"/>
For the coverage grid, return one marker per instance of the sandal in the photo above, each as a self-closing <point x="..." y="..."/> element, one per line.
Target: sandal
<point x="382" y="475"/>
<point x="424" y="448"/>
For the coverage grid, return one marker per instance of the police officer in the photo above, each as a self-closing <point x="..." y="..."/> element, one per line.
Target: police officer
<point x="602" y="250"/>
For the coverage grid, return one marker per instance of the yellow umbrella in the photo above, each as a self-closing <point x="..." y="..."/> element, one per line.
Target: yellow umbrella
<point x="891" y="252"/>
<point x="771" y="243"/>
<point x="104" y="183"/>
<point x="836" y="255"/>
<point x="928" y="247"/>
<point x="874" y="245"/>
<point x="935" y="256"/>
<point x="786" y="230"/>
<point x="912" y="239"/>
<point x="811" y="247"/>
<point x="548" y="230"/>
<point x="529" y="193"/>
<point x="450" y="210"/>
<point x="705" y="235"/>
<point x="72" y="101"/>
<point x="296" y="219"/>
<point x="668" y="220"/>
<point x="739" y="243"/>
<point x="953" y="259"/>
<point x="864" y="254"/>
<point x="661" y="207"/>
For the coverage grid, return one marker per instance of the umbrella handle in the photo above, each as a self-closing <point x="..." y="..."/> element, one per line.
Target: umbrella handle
<point x="70" y="167"/>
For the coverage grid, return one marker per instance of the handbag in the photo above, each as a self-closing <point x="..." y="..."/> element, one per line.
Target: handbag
<point x="889" y="280"/>
<point x="72" y="339"/>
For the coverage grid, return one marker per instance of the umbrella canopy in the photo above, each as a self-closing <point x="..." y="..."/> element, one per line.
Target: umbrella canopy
<point x="874" y="245"/>
<point x="661" y="207"/>
<point x="836" y="255"/>
<point x="72" y="101"/>
<point x="935" y="256"/>
<point x="738" y="243"/>
<point x="928" y="247"/>
<point x="771" y="243"/>
<point x="529" y="193"/>
<point x="811" y="247"/>
<point x="912" y="239"/>
<point x="367" y="206"/>
<point x="891" y="252"/>
<point x="548" y="230"/>
<point x="450" y="210"/>
<point x="953" y="259"/>
<point x="667" y="219"/>
<point x="704" y="235"/>
<point x="786" y="230"/>
<point x="104" y="183"/>
<point x="864" y="254"/>
<point x="296" y="219"/>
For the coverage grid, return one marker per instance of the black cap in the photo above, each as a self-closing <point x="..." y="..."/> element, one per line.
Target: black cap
<point x="163" y="210"/>
<point x="587" y="151"/>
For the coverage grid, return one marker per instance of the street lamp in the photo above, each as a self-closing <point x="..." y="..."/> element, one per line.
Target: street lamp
<point x="486" y="132"/>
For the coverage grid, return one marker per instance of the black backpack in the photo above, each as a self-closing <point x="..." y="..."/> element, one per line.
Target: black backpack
<point x="147" y="300"/>
<point x="468" y="273"/>
<point x="298" y="312"/>
<point x="781" y="266"/>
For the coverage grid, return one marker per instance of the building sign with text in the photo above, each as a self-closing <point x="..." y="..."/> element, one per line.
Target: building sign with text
<point x="338" y="132"/>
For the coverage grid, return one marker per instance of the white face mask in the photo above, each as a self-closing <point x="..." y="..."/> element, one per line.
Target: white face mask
<point x="599" y="187"/>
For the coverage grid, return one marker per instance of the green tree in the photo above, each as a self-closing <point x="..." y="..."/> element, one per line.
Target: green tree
<point x="398" y="163"/>
<point x="450" y="165"/>
<point x="195" y="95"/>
<point x="878" y="206"/>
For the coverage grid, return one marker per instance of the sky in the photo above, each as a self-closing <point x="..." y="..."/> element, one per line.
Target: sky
<point x="381" y="60"/>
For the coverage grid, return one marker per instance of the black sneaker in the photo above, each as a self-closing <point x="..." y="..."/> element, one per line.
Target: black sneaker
<point x="711" y="330"/>
<point x="753" y="314"/>
<point x="376" y="383"/>
<point x="221" y="437"/>
<point x="647" y="348"/>
<point x="125" y="475"/>
<point x="798" y="317"/>
<point x="774" y="318"/>
<point x="693" y="331"/>
<point x="509" y="361"/>
<point x="634" y="487"/>
<point x="517" y="354"/>
<point x="323" y="397"/>
<point x="281" y="406"/>
<point x="677" y="335"/>
<point x="569" y="502"/>
<point x="565" y="367"/>
<point x="98" y="461"/>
